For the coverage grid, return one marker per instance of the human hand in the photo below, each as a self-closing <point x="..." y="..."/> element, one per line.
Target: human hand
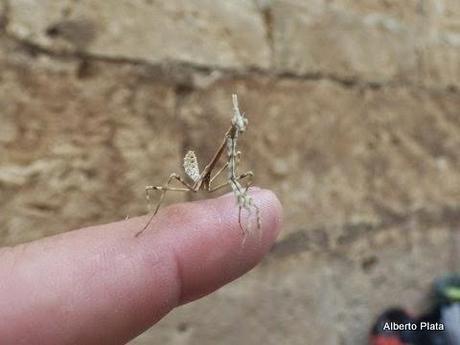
<point x="102" y="285"/>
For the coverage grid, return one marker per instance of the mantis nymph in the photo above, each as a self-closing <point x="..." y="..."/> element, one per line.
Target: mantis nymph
<point x="204" y="180"/>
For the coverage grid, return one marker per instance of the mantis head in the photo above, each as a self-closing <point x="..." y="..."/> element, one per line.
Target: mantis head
<point x="239" y="121"/>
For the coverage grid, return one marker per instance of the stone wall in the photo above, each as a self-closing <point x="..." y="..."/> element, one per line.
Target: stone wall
<point x="354" y="122"/>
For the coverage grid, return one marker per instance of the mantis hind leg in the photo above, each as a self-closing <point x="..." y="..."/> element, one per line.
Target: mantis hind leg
<point x="165" y="188"/>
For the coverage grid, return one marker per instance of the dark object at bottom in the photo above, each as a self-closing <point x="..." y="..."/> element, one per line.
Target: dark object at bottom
<point x="384" y="332"/>
<point x="440" y="326"/>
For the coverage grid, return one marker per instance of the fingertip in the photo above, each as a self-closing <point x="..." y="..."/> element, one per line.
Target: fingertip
<point x="217" y="251"/>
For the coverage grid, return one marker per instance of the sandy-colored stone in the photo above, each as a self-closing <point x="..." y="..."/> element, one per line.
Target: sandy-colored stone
<point x="331" y="41"/>
<point x="439" y="44"/>
<point x="408" y="11"/>
<point x="373" y="41"/>
<point x="217" y="33"/>
<point x="78" y="150"/>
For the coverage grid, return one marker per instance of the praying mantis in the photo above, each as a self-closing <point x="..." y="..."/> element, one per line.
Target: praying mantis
<point x="204" y="180"/>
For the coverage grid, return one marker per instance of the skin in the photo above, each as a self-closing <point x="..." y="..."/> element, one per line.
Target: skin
<point x="103" y="285"/>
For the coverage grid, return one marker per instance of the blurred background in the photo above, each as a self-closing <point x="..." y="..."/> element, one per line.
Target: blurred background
<point x="354" y="122"/>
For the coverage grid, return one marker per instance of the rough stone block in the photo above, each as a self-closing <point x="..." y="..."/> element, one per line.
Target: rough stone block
<point x="331" y="41"/>
<point x="227" y="34"/>
<point x="77" y="148"/>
